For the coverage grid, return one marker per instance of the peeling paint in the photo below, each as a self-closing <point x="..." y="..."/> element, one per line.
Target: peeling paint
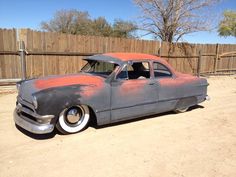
<point x="132" y="56"/>
<point x="132" y="87"/>
<point x="114" y="100"/>
<point x="61" y="81"/>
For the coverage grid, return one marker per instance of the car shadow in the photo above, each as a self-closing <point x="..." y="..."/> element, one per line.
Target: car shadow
<point x="195" y="107"/>
<point x="94" y="125"/>
<point x="37" y="136"/>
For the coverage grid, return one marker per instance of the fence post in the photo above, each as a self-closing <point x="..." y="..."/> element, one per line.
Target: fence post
<point x="199" y="63"/>
<point x="216" y="58"/>
<point x="159" y="50"/>
<point x="22" y="59"/>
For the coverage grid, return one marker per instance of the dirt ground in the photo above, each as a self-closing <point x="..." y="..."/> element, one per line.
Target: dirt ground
<point x="198" y="143"/>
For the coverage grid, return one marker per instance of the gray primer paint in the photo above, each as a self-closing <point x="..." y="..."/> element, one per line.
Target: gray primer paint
<point x="118" y="100"/>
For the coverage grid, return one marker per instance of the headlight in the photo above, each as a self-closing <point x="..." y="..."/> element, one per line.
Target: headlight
<point x="34" y="101"/>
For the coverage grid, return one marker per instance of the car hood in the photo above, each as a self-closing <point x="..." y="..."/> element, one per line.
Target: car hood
<point x="29" y="87"/>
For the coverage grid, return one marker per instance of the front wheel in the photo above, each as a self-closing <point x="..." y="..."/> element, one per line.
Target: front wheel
<point x="73" y="119"/>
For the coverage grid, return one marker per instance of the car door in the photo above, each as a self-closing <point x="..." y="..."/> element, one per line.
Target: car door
<point x="169" y="87"/>
<point x="133" y="92"/>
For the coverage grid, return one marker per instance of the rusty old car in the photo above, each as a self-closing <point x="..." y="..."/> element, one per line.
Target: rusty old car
<point x="111" y="87"/>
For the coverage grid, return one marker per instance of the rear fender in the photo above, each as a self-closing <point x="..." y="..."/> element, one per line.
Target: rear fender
<point x="186" y="102"/>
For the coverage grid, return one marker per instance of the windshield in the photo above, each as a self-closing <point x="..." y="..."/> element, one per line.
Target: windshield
<point x="101" y="68"/>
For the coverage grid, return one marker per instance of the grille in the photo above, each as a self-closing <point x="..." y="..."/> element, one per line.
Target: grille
<point x="25" y="109"/>
<point x="25" y="104"/>
<point x="28" y="116"/>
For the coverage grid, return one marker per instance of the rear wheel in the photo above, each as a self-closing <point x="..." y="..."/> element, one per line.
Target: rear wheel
<point x="73" y="119"/>
<point x="181" y="110"/>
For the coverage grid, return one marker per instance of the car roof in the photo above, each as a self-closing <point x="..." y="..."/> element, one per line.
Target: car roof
<point x="120" y="58"/>
<point x="132" y="56"/>
<point x="124" y="57"/>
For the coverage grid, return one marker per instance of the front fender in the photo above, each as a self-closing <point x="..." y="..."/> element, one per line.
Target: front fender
<point x="52" y="101"/>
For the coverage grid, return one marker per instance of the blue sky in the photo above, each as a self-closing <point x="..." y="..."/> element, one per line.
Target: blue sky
<point x="29" y="14"/>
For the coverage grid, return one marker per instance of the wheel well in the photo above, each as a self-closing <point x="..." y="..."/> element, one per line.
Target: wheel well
<point x="186" y="102"/>
<point x="93" y="118"/>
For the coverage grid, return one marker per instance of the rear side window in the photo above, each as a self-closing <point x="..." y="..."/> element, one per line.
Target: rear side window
<point x="160" y="70"/>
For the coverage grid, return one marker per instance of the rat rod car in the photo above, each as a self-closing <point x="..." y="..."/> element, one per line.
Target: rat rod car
<point x="112" y="87"/>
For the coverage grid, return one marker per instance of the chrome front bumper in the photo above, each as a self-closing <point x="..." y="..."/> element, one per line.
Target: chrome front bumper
<point x="32" y="125"/>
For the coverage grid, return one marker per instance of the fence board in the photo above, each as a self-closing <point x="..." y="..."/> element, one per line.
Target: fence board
<point x="9" y="64"/>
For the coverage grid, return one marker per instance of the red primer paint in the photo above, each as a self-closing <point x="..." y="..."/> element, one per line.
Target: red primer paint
<point x="132" y="87"/>
<point x="61" y="81"/>
<point x="179" y="80"/>
<point x="139" y="56"/>
<point x="132" y="56"/>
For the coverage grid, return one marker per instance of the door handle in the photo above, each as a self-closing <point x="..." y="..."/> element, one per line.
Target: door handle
<point x="152" y="83"/>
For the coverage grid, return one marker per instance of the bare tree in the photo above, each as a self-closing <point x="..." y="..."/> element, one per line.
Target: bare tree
<point x="170" y="20"/>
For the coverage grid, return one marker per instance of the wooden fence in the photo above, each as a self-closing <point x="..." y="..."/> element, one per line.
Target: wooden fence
<point x="9" y="61"/>
<point x="53" y="53"/>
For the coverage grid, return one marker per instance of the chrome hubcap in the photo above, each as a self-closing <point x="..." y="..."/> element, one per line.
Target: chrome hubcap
<point x="74" y="115"/>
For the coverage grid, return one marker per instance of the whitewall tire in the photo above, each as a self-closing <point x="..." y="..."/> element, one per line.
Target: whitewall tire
<point x="181" y="110"/>
<point x="73" y="119"/>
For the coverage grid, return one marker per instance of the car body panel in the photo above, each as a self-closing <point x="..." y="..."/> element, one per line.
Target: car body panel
<point x="110" y="99"/>
<point x="132" y="98"/>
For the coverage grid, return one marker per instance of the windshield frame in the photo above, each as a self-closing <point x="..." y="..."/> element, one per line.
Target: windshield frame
<point x="97" y="74"/>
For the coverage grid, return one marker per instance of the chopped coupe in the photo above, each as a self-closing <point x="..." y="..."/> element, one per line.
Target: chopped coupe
<point x="111" y="87"/>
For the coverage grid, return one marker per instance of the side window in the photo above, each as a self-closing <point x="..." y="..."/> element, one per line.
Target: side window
<point x="160" y="70"/>
<point x="136" y="70"/>
<point x="140" y="70"/>
<point x="123" y="74"/>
